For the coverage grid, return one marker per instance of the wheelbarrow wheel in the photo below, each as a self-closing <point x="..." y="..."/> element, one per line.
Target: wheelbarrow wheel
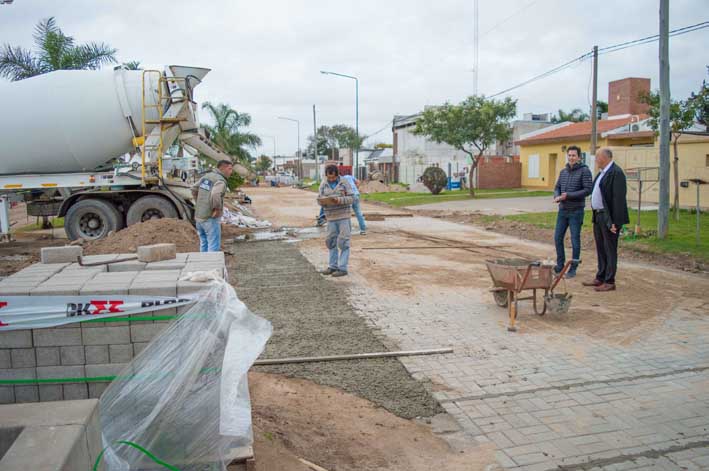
<point x="544" y="303"/>
<point x="501" y="298"/>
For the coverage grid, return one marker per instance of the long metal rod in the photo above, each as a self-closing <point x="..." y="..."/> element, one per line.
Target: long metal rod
<point x="594" y="103"/>
<point x="464" y="247"/>
<point x="356" y="356"/>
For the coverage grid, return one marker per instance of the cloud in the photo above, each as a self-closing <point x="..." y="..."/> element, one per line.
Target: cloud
<point x="266" y="56"/>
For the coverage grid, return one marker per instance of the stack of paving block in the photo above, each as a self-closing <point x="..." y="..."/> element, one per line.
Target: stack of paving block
<point x="89" y="349"/>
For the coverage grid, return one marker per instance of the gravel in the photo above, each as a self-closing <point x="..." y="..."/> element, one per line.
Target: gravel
<point x="311" y="316"/>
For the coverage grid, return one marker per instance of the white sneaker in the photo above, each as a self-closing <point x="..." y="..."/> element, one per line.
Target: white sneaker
<point x="362" y="232"/>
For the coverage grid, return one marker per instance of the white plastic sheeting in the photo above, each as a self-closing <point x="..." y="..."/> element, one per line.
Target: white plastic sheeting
<point x="185" y="398"/>
<point x="237" y="219"/>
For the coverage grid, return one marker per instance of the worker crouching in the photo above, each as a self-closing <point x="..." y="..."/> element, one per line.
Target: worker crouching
<point x="336" y="197"/>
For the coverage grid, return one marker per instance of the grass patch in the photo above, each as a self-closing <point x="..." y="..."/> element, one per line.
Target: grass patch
<point x="56" y="222"/>
<point x="681" y="238"/>
<point x="399" y="199"/>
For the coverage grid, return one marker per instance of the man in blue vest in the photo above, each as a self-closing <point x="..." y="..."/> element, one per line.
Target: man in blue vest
<point x="208" y="195"/>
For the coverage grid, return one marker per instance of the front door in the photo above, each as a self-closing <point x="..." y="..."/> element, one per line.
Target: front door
<point x="551" y="180"/>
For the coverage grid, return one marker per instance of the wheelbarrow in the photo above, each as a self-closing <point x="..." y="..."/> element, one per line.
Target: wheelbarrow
<point x="512" y="276"/>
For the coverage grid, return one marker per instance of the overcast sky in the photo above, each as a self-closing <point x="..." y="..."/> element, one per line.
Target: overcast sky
<point x="266" y="56"/>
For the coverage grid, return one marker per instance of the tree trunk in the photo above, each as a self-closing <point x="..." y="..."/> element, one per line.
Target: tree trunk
<point x="471" y="182"/>
<point x="675" y="169"/>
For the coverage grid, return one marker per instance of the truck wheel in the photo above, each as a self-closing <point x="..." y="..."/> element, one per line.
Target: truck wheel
<point x="150" y="207"/>
<point x="92" y="219"/>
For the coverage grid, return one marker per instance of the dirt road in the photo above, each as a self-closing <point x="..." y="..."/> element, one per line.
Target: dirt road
<point x="619" y="379"/>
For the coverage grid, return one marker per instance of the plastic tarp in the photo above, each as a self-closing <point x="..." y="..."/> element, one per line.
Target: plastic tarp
<point x="185" y="397"/>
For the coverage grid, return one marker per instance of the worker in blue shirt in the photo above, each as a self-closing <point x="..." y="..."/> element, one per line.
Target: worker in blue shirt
<point x="354" y="183"/>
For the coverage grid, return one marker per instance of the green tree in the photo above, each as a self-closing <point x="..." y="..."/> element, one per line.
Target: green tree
<point x="54" y="51"/>
<point x="601" y="107"/>
<point x="229" y="131"/>
<point x="699" y="102"/>
<point x="574" y="116"/>
<point x="263" y="163"/>
<point x="383" y="145"/>
<point x="473" y="125"/>
<point x="335" y="137"/>
<point x="681" y="118"/>
<point x="435" y="179"/>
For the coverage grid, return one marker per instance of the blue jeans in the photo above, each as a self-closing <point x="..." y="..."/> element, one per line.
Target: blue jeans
<point x="210" y="235"/>
<point x="572" y="219"/>
<point x="338" y="237"/>
<point x="358" y="212"/>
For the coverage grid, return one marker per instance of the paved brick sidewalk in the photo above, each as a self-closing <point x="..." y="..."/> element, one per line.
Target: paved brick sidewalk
<point x="559" y="402"/>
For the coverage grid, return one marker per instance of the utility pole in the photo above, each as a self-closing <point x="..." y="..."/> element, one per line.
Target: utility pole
<point x="663" y="211"/>
<point x="594" y="103"/>
<point x="315" y="147"/>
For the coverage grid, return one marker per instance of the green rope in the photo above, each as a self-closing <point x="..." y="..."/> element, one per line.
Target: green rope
<point x="90" y="379"/>
<point x="139" y="448"/>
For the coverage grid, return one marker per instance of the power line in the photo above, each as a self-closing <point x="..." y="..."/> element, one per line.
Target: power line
<point x="497" y="25"/>
<point x="605" y="50"/>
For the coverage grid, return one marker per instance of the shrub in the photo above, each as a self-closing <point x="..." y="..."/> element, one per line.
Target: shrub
<point x="435" y="179"/>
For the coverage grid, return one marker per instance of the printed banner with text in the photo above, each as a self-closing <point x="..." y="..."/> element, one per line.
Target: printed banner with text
<point x="36" y="312"/>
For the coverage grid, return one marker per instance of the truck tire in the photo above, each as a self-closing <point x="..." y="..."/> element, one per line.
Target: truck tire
<point x="92" y="219"/>
<point x="150" y="207"/>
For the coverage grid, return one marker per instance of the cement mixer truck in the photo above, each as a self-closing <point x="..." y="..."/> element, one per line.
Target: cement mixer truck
<point x="62" y="134"/>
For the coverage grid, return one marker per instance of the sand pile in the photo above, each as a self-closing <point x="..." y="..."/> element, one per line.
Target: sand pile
<point x="376" y="186"/>
<point x="156" y="231"/>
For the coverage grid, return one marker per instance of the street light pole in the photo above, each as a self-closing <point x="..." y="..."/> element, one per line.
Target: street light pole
<point x="325" y="72"/>
<point x="300" y="161"/>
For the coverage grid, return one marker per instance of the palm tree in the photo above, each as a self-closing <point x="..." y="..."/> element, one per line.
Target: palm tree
<point x="228" y="132"/>
<point x="55" y="51"/>
<point x="574" y="116"/>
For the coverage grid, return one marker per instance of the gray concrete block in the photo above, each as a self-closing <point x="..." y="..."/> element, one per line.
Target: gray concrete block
<point x="122" y="267"/>
<point x="28" y="393"/>
<point x="16" y="290"/>
<point x="153" y="275"/>
<point x="186" y="288"/>
<point x="96" y="389"/>
<point x="75" y="391"/>
<point x="56" y="290"/>
<point x="120" y="353"/>
<point x="155" y="288"/>
<point x="23" y="358"/>
<point x="57" y="337"/>
<point x="5" y="359"/>
<point x="115" y="277"/>
<point x="47" y="356"/>
<point x="139" y="347"/>
<point x="109" y="369"/>
<point x="16" y="339"/>
<point x="76" y="268"/>
<point x="58" y="372"/>
<point x="170" y="265"/>
<point x="51" y="392"/>
<point x="68" y="253"/>
<point x="72" y="355"/>
<point x="7" y="395"/>
<point x="106" y="335"/>
<point x="99" y="287"/>
<point x="145" y="333"/>
<point x="19" y="373"/>
<point x="103" y="258"/>
<point x="96" y="354"/>
<point x="156" y="252"/>
<point x="205" y="256"/>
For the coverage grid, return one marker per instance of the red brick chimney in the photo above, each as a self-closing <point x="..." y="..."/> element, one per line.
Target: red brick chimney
<point x="623" y="96"/>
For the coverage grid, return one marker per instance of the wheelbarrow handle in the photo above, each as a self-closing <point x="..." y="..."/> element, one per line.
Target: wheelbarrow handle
<point x="562" y="273"/>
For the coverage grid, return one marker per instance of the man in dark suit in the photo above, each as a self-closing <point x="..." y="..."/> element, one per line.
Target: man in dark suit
<point x="610" y="213"/>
